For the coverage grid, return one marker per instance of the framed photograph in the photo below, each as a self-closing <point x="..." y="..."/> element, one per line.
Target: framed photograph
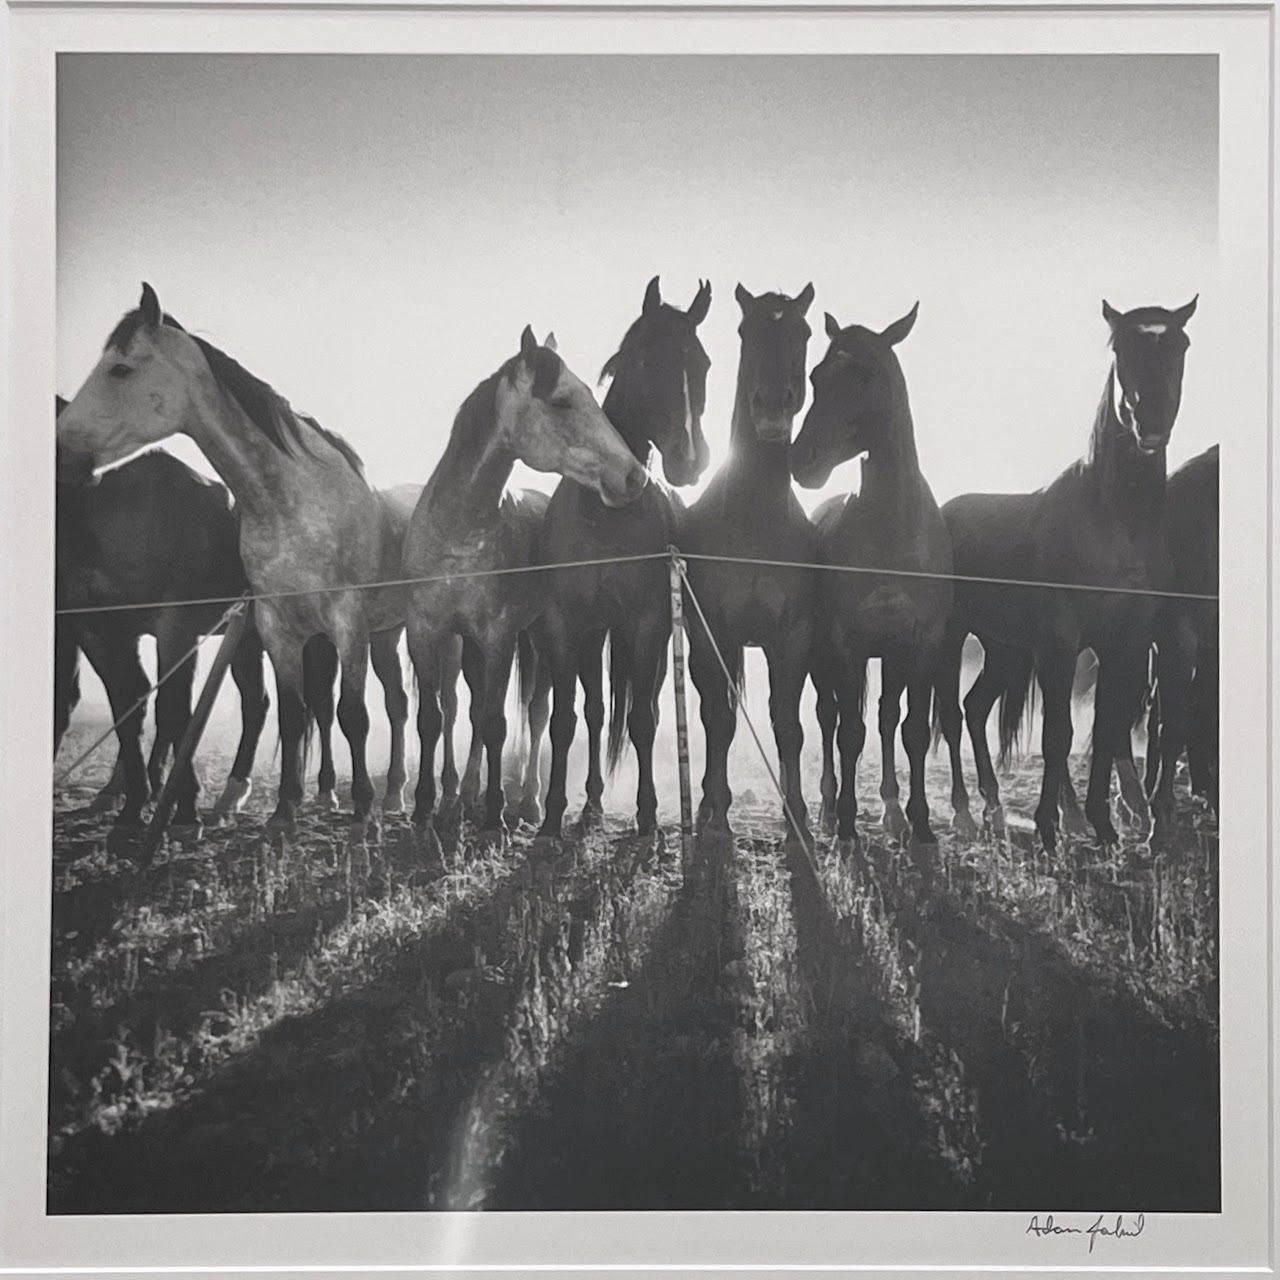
<point x="643" y="607"/>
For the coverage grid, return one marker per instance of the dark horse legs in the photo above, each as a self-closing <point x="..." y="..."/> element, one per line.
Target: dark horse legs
<point x="951" y="721"/>
<point x="851" y="693"/>
<point x="1121" y="681"/>
<point x="1175" y="662"/>
<point x="173" y="704"/>
<point x="824" y="687"/>
<point x="384" y="653"/>
<point x="893" y="681"/>
<point x="788" y="659"/>
<point x="1057" y="673"/>
<point x="649" y="669"/>
<point x="719" y="721"/>
<point x="591" y="675"/>
<point x="115" y="659"/>
<point x="1001" y="667"/>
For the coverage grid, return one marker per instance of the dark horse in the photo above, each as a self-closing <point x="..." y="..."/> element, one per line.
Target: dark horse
<point x="749" y="511"/>
<point x="536" y="410"/>
<point x="152" y="532"/>
<point x="1100" y="523"/>
<point x="859" y="407"/>
<point x="656" y="398"/>
<point x="1184" y="705"/>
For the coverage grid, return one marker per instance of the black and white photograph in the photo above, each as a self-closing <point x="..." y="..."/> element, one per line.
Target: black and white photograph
<point x="640" y="632"/>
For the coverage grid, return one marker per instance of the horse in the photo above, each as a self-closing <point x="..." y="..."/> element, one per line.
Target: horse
<point x="860" y="406"/>
<point x="152" y="533"/>
<point x="312" y="534"/>
<point x="749" y="511"/>
<point x="476" y="542"/>
<point x="1184" y="698"/>
<point x="1099" y="524"/>
<point x="656" y="398"/>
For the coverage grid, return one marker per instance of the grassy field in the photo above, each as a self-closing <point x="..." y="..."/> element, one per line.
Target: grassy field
<point x="249" y="1027"/>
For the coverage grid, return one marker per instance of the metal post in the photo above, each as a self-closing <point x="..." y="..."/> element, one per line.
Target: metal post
<point x="238" y="616"/>
<point x="682" y="718"/>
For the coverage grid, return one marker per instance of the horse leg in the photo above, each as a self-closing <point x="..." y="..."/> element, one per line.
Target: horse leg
<point x="472" y="671"/>
<point x="246" y="671"/>
<point x="825" y="689"/>
<point x="384" y="653"/>
<point x="66" y="677"/>
<point x="319" y="671"/>
<point x="173" y="708"/>
<point x="788" y="659"/>
<point x="1174" y="666"/>
<point x="893" y="680"/>
<point x="1057" y="674"/>
<point x="1202" y="742"/>
<point x="1074" y="822"/>
<point x="287" y="660"/>
<point x="539" y="716"/>
<point x="915" y="738"/>
<point x="719" y="721"/>
<point x="851" y="693"/>
<point x="498" y="657"/>
<point x="591" y="675"/>
<point x="450" y="669"/>
<point x="114" y="657"/>
<point x="559" y="656"/>
<point x="353" y="719"/>
<point x="648" y="672"/>
<point x="425" y="654"/>
<point x="951" y="721"/>
<point x="998" y="663"/>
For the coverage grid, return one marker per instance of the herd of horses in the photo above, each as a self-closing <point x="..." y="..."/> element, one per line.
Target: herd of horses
<point x="1114" y="556"/>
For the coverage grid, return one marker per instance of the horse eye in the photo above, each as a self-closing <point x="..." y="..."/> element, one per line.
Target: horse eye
<point x="561" y="402"/>
<point x="120" y="370"/>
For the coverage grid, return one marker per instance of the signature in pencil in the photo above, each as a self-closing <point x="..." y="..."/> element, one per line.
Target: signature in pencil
<point x="1102" y="1226"/>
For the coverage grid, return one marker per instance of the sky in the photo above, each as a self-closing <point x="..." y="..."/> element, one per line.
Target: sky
<point x="371" y="234"/>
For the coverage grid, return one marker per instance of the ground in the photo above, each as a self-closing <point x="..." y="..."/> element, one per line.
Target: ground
<point x="250" y="1027"/>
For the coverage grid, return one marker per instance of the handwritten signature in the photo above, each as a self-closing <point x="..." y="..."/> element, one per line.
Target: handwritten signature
<point x="1119" y="1230"/>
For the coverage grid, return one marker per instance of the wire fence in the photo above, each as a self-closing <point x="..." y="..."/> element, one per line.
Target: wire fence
<point x="745" y="561"/>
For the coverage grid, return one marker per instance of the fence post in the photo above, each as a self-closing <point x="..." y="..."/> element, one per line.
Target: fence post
<point x="239" y="615"/>
<point x="682" y="718"/>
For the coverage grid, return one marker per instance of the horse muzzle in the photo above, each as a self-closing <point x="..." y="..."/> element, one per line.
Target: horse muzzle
<point x="634" y="483"/>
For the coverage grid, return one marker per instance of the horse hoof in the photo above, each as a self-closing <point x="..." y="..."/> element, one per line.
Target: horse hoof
<point x="492" y="839"/>
<point x="529" y="812"/>
<point x="232" y="799"/>
<point x="547" y="844"/>
<point x="1073" y="824"/>
<point x="963" y="825"/>
<point x="895" y="822"/>
<point x="393" y="801"/>
<point x="796" y="842"/>
<point x="283" y="822"/>
<point x="104" y="802"/>
<point x="428" y="844"/>
<point x="827" y="819"/>
<point x="592" y="818"/>
<point x="185" y="834"/>
<point x="124" y="837"/>
<point x="850" y="849"/>
<point x="327" y="800"/>
<point x="993" y="819"/>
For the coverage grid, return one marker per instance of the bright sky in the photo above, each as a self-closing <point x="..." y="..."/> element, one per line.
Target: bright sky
<point x="371" y="234"/>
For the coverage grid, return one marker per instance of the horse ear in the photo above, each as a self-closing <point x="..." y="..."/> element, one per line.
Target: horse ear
<point x="528" y="346"/>
<point x="833" y="326"/>
<point x="701" y="304"/>
<point x="745" y="299"/>
<point x="805" y="299"/>
<point x="1110" y="314"/>
<point x="149" y="306"/>
<point x="899" y="329"/>
<point x="550" y="343"/>
<point x="1183" y="314"/>
<point x="652" y="298"/>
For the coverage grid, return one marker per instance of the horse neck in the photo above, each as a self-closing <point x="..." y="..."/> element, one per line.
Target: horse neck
<point x="260" y="476"/>
<point x="1126" y="484"/>
<point x="472" y="475"/>
<point x="628" y="421"/>
<point x="759" y="467"/>
<point x="891" y="471"/>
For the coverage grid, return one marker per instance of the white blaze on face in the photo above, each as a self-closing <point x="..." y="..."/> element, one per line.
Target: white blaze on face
<point x="688" y="413"/>
<point x="1155" y="329"/>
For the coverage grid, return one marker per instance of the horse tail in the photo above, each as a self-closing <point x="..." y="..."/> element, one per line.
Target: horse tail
<point x="621" y="699"/>
<point x="1017" y="704"/>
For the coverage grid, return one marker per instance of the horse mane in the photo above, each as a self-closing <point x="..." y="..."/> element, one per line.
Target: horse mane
<point x="262" y="404"/>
